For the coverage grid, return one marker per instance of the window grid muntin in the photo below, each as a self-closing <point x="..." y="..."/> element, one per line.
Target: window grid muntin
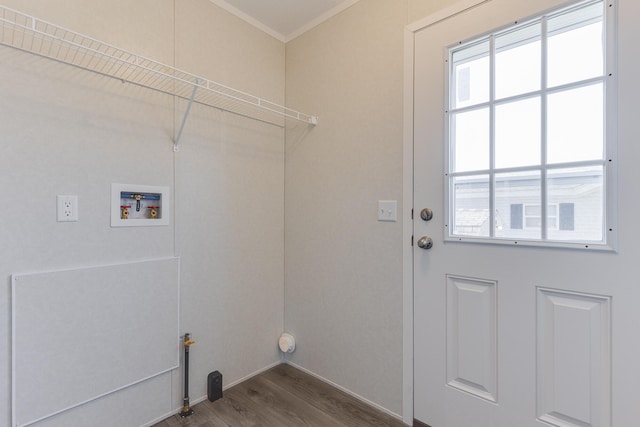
<point x="544" y="167"/>
<point x="492" y="136"/>
<point x="544" y="51"/>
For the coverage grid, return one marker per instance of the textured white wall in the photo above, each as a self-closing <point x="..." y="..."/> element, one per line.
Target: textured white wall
<point x="66" y="131"/>
<point x="230" y="199"/>
<point x="343" y="292"/>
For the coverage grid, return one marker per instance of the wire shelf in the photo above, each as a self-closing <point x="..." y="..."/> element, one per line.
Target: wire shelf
<point x="30" y="34"/>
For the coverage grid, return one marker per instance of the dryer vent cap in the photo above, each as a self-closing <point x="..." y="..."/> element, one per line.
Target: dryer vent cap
<point x="287" y="343"/>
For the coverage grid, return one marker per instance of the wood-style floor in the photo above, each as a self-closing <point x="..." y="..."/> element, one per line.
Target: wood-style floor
<point x="280" y="397"/>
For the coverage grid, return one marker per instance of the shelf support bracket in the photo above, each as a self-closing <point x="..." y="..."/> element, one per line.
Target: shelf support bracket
<point x="176" y="146"/>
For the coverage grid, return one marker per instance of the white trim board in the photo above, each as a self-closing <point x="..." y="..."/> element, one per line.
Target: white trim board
<point x="444" y="14"/>
<point x="346" y="390"/>
<point x="193" y="402"/>
<point x="277" y="35"/>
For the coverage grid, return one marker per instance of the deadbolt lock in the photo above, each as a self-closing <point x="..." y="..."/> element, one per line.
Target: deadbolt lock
<point x="426" y="214"/>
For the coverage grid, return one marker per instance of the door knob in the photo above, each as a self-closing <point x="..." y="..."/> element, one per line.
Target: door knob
<point x="425" y="242"/>
<point x="426" y="214"/>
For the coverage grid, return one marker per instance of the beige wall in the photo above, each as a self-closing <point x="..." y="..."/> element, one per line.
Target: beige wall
<point x="343" y="276"/>
<point x="230" y="199"/>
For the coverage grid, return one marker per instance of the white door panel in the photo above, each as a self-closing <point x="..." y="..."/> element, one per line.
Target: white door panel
<point x="472" y="364"/>
<point x="522" y="336"/>
<point x="574" y="342"/>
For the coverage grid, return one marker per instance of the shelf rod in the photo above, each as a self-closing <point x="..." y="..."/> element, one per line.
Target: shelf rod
<point x="18" y="29"/>
<point x="176" y="143"/>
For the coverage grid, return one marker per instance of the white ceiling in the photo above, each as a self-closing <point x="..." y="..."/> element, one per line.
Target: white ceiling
<point x="284" y="19"/>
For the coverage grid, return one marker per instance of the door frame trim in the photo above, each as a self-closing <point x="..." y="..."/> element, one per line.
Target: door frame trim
<point x="407" y="196"/>
<point x="407" y="231"/>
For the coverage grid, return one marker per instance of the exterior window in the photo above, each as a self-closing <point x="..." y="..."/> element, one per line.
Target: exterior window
<point x="566" y="216"/>
<point x="528" y="154"/>
<point x="533" y="216"/>
<point x="530" y="216"/>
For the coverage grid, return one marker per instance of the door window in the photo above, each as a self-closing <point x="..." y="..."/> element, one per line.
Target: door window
<point x="529" y="149"/>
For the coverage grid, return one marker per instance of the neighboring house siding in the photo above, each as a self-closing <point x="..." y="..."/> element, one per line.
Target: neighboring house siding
<point x="577" y="202"/>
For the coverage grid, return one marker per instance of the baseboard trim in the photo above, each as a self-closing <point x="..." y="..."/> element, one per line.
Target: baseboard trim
<point x="417" y="423"/>
<point x="193" y="402"/>
<point x="251" y="375"/>
<point x="349" y="392"/>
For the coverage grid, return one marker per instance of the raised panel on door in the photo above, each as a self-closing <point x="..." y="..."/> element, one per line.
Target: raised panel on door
<point x="471" y="337"/>
<point x="574" y="369"/>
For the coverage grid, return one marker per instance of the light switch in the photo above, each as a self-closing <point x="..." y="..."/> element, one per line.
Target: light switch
<point x="387" y="210"/>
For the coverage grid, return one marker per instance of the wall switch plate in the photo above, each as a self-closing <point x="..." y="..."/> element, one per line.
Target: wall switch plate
<point x="387" y="210"/>
<point x="67" y="208"/>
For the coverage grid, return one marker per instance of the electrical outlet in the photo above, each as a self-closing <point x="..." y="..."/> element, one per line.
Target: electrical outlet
<point x="67" y="208"/>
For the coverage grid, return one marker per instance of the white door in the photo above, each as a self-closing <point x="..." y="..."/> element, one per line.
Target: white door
<point x="509" y="335"/>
